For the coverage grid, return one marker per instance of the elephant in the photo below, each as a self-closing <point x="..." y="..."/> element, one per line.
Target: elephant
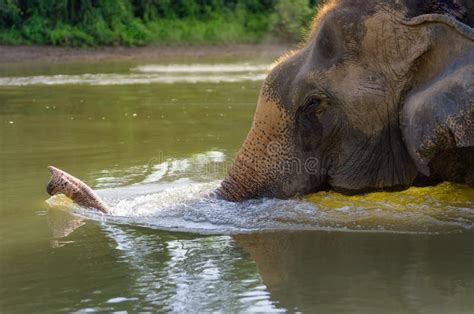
<point x="378" y="98"/>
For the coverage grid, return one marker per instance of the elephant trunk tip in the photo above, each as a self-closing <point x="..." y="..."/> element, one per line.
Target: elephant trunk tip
<point x="230" y="190"/>
<point x="62" y="182"/>
<point x="54" y="181"/>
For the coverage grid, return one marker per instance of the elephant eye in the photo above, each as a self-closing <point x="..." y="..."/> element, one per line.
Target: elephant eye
<point x="307" y="117"/>
<point x="315" y="105"/>
<point x="315" y="102"/>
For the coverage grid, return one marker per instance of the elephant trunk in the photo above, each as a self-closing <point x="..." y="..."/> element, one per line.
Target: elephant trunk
<point x="259" y="167"/>
<point x="64" y="183"/>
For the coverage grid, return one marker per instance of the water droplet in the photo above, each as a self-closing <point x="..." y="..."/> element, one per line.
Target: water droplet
<point x="11" y="122"/>
<point x="134" y="115"/>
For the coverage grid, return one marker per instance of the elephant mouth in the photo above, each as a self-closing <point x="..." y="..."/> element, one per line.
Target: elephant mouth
<point x="290" y="177"/>
<point x="306" y="176"/>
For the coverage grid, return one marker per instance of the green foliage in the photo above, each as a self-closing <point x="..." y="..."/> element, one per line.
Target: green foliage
<point x="139" y="22"/>
<point x="67" y="35"/>
<point x="291" y="19"/>
<point x="194" y="31"/>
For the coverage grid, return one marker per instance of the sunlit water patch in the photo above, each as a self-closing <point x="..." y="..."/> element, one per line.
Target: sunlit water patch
<point x="185" y="205"/>
<point x="150" y="74"/>
<point x="202" y="68"/>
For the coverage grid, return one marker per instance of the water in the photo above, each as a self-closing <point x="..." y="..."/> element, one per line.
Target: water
<point x="155" y="139"/>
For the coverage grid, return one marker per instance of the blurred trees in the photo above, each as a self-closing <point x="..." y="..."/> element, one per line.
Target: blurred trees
<point x="137" y="22"/>
<point x="291" y="18"/>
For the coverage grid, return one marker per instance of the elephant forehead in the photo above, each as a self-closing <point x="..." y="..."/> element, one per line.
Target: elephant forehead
<point x="363" y="96"/>
<point x="369" y="82"/>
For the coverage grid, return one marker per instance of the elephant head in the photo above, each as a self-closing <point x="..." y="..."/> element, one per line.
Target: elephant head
<point x="379" y="97"/>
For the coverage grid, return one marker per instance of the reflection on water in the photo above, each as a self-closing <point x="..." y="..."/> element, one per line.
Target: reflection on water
<point x="62" y="223"/>
<point x="155" y="151"/>
<point x="340" y="272"/>
<point x="297" y="271"/>
<point x="178" y="274"/>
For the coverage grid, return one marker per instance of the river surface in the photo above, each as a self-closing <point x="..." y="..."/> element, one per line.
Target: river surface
<point x="154" y="139"/>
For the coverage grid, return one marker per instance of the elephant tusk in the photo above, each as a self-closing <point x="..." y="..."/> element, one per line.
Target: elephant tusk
<point x="75" y="189"/>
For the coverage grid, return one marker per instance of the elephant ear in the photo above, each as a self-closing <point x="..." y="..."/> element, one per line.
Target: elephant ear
<point x="438" y="116"/>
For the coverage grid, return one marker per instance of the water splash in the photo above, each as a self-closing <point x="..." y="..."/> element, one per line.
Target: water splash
<point x="174" y="194"/>
<point x="185" y="206"/>
<point x="205" y="166"/>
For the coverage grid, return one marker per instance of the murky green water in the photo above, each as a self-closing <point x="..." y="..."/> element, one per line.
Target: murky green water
<point x="154" y="140"/>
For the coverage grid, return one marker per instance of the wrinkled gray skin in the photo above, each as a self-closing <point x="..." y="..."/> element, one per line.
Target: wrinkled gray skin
<point x="62" y="182"/>
<point x="380" y="97"/>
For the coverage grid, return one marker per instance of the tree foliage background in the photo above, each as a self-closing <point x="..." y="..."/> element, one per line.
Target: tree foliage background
<point x="139" y="22"/>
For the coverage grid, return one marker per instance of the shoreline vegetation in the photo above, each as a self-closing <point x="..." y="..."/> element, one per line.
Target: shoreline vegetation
<point x="93" y="23"/>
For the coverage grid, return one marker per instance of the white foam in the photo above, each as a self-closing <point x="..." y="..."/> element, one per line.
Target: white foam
<point x="151" y="74"/>
<point x="125" y="79"/>
<point x="120" y="300"/>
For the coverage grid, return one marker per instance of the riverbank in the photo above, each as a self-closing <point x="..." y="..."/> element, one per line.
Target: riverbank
<point x="21" y="54"/>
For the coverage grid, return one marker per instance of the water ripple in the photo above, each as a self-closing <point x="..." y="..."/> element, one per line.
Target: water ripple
<point x="151" y="74"/>
<point x="203" y="68"/>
